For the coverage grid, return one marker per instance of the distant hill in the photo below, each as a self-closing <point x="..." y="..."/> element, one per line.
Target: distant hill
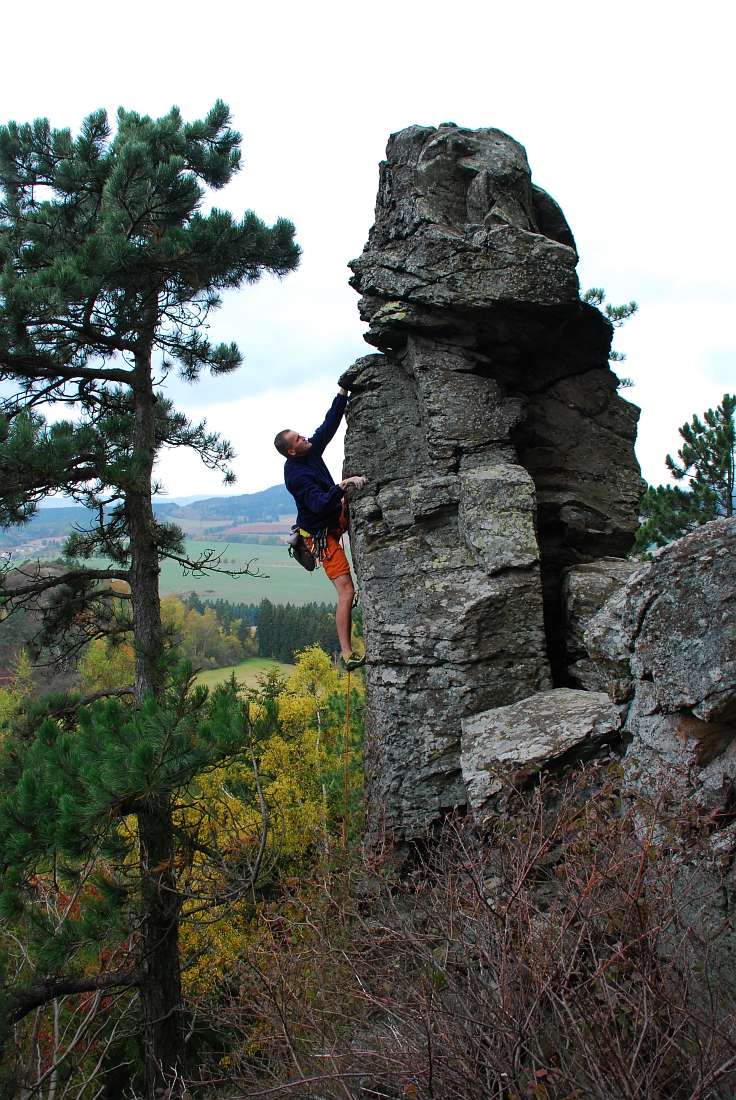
<point x="265" y="506"/>
<point x="45" y="532"/>
<point x="48" y="528"/>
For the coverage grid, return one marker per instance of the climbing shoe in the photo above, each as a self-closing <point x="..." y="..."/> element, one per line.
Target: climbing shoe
<point x="355" y="660"/>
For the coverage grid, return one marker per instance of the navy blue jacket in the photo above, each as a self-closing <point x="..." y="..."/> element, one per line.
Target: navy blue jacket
<point x="318" y="499"/>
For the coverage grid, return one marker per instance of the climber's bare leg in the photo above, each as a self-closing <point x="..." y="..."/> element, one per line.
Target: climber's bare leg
<point x="345" y="592"/>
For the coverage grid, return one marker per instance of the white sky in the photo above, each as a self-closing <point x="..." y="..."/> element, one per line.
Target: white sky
<point x="626" y="112"/>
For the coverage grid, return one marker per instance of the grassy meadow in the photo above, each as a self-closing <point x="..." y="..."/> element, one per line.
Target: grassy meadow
<point x="286" y="581"/>
<point x="283" y="580"/>
<point x="247" y="673"/>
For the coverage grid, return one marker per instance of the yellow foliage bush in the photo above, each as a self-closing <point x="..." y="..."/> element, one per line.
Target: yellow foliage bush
<point x="200" y="637"/>
<point x="106" y="666"/>
<point x="20" y="688"/>
<point x="301" y="769"/>
<point x="173" y="614"/>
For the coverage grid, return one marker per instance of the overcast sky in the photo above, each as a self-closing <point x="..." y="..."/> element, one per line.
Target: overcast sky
<point x="626" y="112"/>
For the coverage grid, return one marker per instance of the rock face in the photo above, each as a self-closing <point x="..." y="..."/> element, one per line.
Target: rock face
<point x="585" y="589"/>
<point x="666" y="645"/>
<point x="550" y="729"/>
<point x="497" y="450"/>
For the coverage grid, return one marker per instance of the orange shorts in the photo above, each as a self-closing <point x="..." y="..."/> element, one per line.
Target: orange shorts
<point x="334" y="560"/>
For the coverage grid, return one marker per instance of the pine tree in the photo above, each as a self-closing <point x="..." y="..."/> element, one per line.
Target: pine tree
<point x="708" y="455"/>
<point x="279" y="630"/>
<point x="266" y="637"/>
<point x="285" y="630"/>
<point x="67" y="796"/>
<point x="109" y="270"/>
<point x="617" y="316"/>
<point x="669" y="512"/>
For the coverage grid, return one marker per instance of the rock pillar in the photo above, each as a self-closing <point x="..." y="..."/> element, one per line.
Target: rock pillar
<point x="497" y="450"/>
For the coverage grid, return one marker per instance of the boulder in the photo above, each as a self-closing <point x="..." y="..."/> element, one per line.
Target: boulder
<point x="674" y="626"/>
<point x="665" y="645"/>
<point x="547" y="730"/>
<point x="497" y="450"/>
<point x="585" y="589"/>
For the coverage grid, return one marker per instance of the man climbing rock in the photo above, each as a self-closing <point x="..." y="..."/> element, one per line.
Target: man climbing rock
<point x="321" y="517"/>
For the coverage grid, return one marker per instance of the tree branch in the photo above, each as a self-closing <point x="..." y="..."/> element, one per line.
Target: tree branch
<point x="209" y="562"/>
<point x="26" y="1000"/>
<point x="196" y="846"/>
<point x="104" y="693"/>
<point x="43" y="584"/>
<point x="69" y="374"/>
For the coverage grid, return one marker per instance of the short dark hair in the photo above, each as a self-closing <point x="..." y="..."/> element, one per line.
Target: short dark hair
<point x="281" y="443"/>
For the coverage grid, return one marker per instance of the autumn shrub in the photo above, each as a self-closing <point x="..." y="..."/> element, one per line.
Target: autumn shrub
<point x="577" y="947"/>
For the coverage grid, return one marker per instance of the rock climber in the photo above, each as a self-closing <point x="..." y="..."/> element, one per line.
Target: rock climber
<point x="321" y="518"/>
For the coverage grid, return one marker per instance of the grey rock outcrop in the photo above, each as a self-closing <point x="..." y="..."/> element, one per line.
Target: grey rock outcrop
<point x="497" y="450"/>
<point x="547" y="730"/>
<point x="585" y="589"/>
<point x="666" y="645"/>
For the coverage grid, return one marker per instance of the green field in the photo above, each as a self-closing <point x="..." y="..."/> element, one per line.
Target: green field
<point x="286" y="581"/>
<point x="246" y="673"/>
<point x="282" y="580"/>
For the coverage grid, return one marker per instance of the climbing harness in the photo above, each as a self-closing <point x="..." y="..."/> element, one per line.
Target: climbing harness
<point x="319" y="542"/>
<point x="309" y="558"/>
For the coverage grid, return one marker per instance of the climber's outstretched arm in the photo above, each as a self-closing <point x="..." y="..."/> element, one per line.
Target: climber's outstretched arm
<point x="330" y="424"/>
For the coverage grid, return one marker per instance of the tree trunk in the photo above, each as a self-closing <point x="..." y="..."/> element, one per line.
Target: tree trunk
<point x="160" y="989"/>
<point x="144" y="567"/>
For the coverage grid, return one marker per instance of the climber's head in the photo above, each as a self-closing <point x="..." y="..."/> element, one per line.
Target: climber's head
<point x="290" y="444"/>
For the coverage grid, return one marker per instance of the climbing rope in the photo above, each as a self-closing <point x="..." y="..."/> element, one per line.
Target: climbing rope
<point x="345" y="777"/>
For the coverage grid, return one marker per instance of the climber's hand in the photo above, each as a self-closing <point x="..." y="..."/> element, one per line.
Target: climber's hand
<point x="349" y="380"/>
<point x="358" y="481"/>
